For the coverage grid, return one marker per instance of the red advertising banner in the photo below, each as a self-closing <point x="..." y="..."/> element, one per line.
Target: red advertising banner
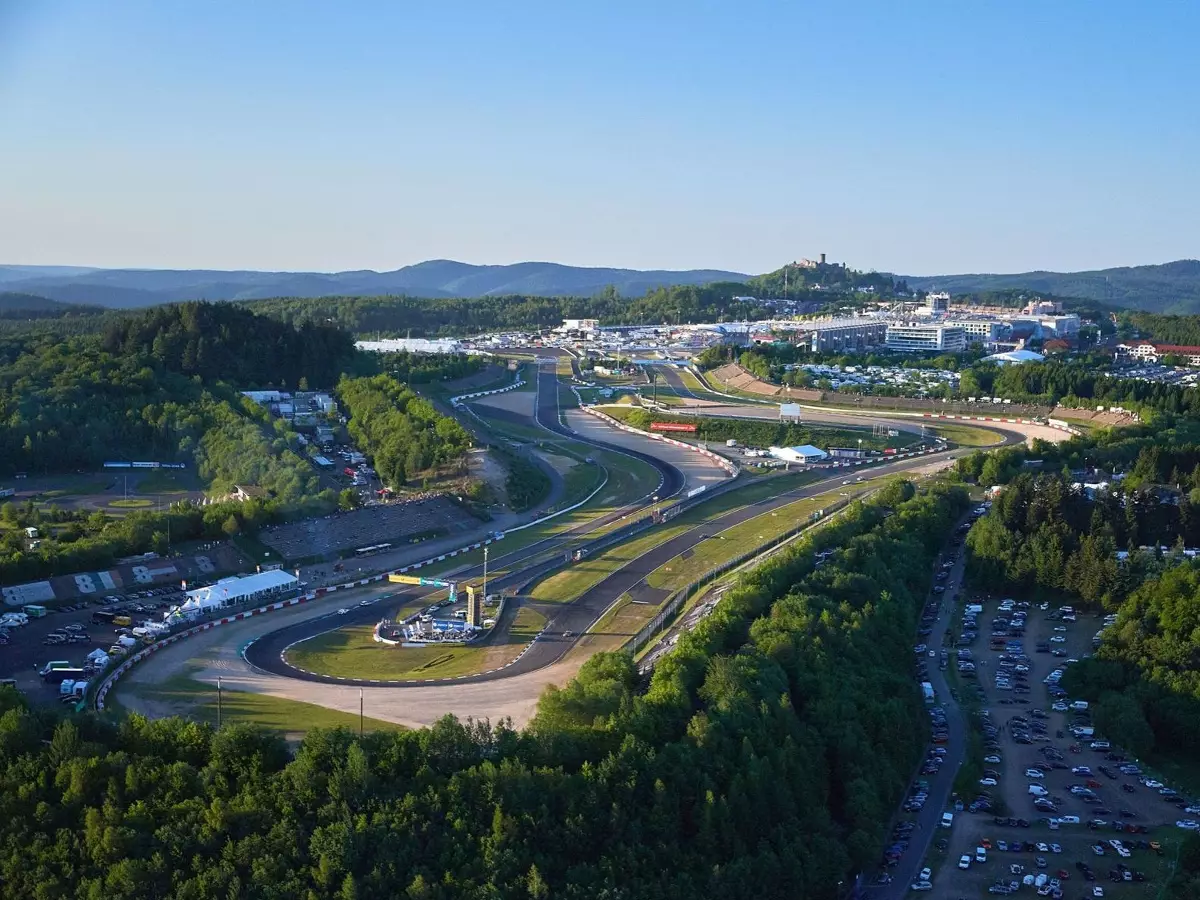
<point x="671" y="426"/>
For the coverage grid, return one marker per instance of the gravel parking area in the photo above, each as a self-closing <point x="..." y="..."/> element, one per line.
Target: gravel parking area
<point x="1054" y="795"/>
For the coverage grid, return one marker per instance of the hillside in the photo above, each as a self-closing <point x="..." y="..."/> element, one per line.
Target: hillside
<point x="15" y="305"/>
<point x="127" y="288"/>
<point x="1171" y="287"/>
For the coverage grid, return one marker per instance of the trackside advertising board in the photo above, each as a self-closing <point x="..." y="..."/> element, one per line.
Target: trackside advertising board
<point x="672" y="426"/>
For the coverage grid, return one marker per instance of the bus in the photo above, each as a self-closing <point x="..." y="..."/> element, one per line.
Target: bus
<point x="372" y="550"/>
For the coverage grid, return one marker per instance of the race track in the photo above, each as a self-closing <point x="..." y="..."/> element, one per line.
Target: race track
<point x="512" y="692"/>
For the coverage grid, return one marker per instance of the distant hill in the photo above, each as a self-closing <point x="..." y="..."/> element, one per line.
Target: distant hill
<point x="15" y="305"/>
<point x="1172" y="287"/>
<point x="126" y="288"/>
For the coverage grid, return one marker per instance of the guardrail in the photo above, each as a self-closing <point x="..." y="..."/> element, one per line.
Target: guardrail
<point x="455" y="401"/>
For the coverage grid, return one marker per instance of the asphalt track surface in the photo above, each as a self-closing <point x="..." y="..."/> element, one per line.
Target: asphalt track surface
<point x="547" y="417"/>
<point x="577" y="616"/>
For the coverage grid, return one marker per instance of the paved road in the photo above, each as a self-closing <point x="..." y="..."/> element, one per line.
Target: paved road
<point x="548" y="418"/>
<point x="940" y="785"/>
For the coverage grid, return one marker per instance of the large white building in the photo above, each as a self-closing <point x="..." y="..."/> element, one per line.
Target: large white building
<point x="844" y="334"/>
<point x="986" y="331"/>
<point x="916" y="337"/>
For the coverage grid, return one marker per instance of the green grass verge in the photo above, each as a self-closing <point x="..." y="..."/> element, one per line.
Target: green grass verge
<point x="965" y="435"/>
<point x="353" y="653"/>
<point x="131" y="503"/>
<point x="198" y="700"/>
<point x="161" y="481"/>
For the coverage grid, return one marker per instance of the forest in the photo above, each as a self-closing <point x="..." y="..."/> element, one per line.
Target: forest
<point x="220" y="341"/>
<point x="400" y="432"/>
<point x="1144" y="680"/>
<point x="762" y="759"/>
<point x="462" y="316"/>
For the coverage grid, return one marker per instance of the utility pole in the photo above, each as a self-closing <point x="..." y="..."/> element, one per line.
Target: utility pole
<point x="360" y="713"/>
<point x="218" y="703"/>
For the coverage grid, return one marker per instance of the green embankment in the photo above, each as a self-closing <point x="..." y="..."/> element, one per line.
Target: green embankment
<point x="198" y="700"/>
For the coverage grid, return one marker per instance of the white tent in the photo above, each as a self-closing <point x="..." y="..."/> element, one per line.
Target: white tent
<point x="238" y="590"/>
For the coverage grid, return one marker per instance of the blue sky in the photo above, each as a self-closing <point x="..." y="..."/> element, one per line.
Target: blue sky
<point x="919" y="137"/>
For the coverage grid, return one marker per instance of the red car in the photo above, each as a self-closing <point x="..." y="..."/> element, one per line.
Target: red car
<point x="1064" y="875"/>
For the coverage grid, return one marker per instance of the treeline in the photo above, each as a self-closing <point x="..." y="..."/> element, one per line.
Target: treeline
<point x="763" y="760"/>
<point x="425" y="368"/>
<point x="461" y="316"/>
<point x="1182" y="330"/>
<point x="1046" y="538"/>
<point x="761" y="433"/>
<point x="220" y="341"/>
<point x="1144" y="680"/>
<point x="81" y="541"/>
<point x="526" y="484"/>
<point x="401" y="433"/>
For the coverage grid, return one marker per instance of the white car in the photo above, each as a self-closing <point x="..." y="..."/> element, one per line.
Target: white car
<point x="343" y="611"/>
<point x="926" y="874"/>
<point x="964" y="862"/>
<point x="994" y="760"/>
<point x="1188" y="824"/>
<point x="920" y="886"/>
<point x="1058" y="639"/>
<point x="1034" y="773"/>
<point x="988" y="782"/>
<point x="1151" y="783"/>
<point x="1059" y="706"/>
<point x="365" y="602"/>
<point x="1060" y="627"/>
<point x="1097" y="891"/>
<point x="1038" y="791"/>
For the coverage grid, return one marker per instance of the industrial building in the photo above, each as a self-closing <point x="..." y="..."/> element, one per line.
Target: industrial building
<point x="836" y="335"/>
<point x="937" y="304"/>
<point x="916" y="337"/>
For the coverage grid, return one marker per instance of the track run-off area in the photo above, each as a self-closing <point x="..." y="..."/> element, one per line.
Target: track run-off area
<point x="250" y="655"/>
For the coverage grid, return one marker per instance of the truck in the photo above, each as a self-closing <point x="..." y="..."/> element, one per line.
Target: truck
<point x="35" y="612"/>
<point x="103" y="617"/>
<point x="58" y="676"/>
<point x="54" y="664"/>
<point x="72" y="688"/>
<point x="927" y="691"/>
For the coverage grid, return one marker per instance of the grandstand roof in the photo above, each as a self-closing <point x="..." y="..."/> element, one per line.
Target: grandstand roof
<point x="1014" y="356"/>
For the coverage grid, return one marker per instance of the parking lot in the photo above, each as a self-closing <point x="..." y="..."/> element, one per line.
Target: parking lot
<point x="1058" y="812"/>
<point x="69" y="633"/>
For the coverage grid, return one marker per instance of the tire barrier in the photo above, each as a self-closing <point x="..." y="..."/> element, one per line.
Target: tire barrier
<point x="455" y="401"/>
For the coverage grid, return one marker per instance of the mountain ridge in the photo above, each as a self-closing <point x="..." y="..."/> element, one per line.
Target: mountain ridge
<point x="131" y="288"/>
<point x="1171" y="287"/>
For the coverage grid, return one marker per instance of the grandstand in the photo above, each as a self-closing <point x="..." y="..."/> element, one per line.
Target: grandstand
<point x="369" y="527"/>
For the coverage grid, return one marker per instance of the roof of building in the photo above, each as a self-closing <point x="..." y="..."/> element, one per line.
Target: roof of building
<point x="230" y="590"/>
<point x="803" y="451"/>
<point x="250" y="490"/>
<point x="1014" y="356"/>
